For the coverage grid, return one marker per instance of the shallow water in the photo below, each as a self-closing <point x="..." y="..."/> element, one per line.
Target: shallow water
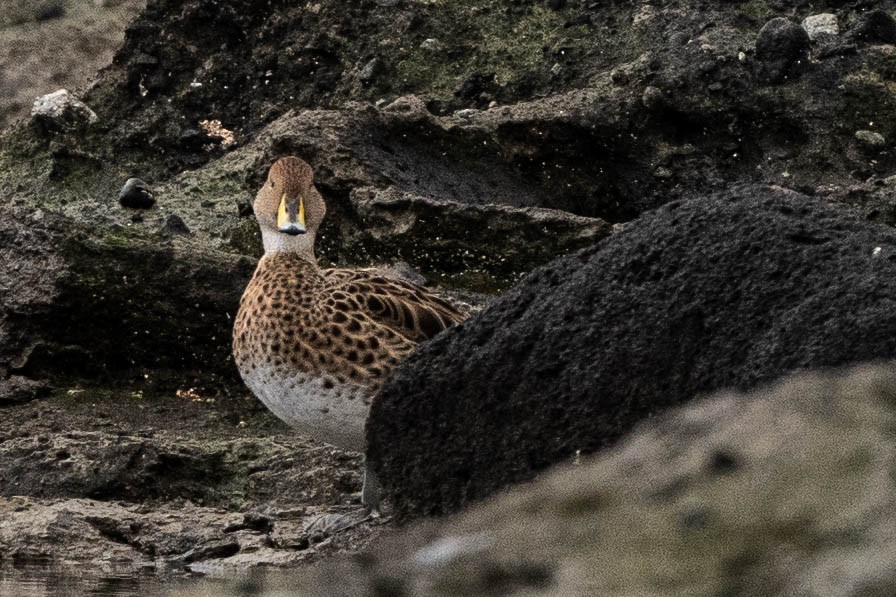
<point x="43" y="579"/>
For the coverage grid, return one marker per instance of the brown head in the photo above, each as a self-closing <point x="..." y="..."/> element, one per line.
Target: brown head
<point x="288" y="207"/>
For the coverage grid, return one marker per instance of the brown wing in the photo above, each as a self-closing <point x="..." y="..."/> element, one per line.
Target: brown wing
<point x="409" y="309"/>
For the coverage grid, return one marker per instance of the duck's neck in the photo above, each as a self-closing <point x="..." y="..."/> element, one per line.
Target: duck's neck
<point x="300" y="244"/>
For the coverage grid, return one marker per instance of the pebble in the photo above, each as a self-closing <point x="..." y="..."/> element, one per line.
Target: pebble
<point x="679" y="38"/>
<point x="431" y="44"/>
<point x="870" y="139"/>
<point x="136" y="194"/>
<point x="174" y="224"/>
<point x="652" y="98"/>
<point x="619" y="76"/>
<point x="821" y="24"/>
<point x="370" y="71"/>
<point x="781" y="46"/>
<point x="48" y="11"/>
<point x="62" y="110"/>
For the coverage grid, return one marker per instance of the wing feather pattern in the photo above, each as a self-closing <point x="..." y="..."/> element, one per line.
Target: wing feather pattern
<point x="407" y="308"/>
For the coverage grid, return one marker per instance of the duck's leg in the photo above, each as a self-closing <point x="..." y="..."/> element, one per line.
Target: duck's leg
<point x="328" y="524"/>
<point x="371" y="491"/>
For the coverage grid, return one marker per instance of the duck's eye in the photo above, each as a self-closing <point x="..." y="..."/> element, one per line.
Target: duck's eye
<point x="272" y="184"/>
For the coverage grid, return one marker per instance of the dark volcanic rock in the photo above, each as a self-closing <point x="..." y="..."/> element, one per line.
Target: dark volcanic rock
<point x="726" y="291"/>
<point x="783" y="48"/>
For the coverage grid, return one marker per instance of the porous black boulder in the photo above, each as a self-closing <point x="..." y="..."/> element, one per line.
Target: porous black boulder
<point x="725" y="291"/>
<point x="782" y="47"/>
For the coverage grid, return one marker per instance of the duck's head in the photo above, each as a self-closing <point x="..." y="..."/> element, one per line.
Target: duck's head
<point x="288" y="207"/>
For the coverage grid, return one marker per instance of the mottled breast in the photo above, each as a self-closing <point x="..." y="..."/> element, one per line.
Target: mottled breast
<point x="308" y="349"/>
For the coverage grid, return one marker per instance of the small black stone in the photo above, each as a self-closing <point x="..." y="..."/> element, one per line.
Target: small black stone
<point x="783" y="48"/>
<point x="258" y="522"/>
<point x="174" y="224"/>
<point x="192" y="139"/>
<point x="695" y="519"/>
<point x="245" y="210"/>
<point x="48" y="11"/>
<point x="722" y="462"/>
<point x="136" y="194"/>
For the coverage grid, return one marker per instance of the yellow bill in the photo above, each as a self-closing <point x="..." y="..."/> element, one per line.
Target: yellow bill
<point x="291" y="216"/>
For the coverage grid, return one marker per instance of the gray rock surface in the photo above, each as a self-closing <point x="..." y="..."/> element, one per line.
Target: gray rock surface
<point x="870" y="139"/>
<point x="38" y="56"/>
<point x="61" y="110"/>
<point x="819" y="25"/>
<point x="731" y="290"/>
<point x="17" y="389"/>
<point x="481" y="244"/>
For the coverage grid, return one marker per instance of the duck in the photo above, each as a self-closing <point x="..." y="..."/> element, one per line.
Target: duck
<point x="314" y="344"/>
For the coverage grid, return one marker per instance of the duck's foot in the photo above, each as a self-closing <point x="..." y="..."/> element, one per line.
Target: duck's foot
<point x="336" y="522"/>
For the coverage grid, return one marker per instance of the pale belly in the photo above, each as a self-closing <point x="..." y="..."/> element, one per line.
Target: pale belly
<point x="334" y="415"/>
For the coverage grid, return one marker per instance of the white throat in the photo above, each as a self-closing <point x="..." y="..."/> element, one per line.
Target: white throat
<point x="277" y="242"/>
